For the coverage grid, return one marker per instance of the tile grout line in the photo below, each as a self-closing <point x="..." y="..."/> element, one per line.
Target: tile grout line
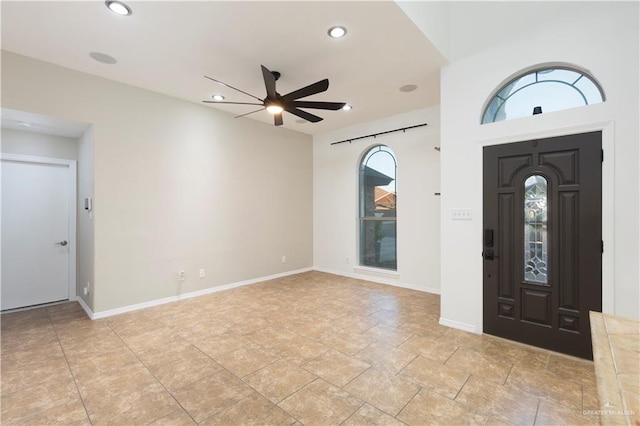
<point x="153" y="375"/>
<point x="66" y="360"/>
<point x="535" y="418"/>
<point x="420" y="388"/>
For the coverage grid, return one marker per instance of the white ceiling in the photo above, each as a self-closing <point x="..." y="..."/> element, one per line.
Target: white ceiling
<point x="169" y="46"/>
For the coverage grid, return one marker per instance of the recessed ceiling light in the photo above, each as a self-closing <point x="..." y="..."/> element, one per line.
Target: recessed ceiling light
<point x="408" y="88"/>
<point x="103" y="57"/>
<point x="337" y="32"/>
<point x="347" y="107"/>
<point x="217" y="97"/>
<point x="118" y="7"/>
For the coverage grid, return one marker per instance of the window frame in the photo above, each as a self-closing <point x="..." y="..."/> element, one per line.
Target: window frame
<point x="536" y="70"/>
<point x="367" y="154"/>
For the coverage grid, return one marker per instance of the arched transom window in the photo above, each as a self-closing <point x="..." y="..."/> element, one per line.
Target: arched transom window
<point x="540" y="91"/>
<point x="378" y="208"/>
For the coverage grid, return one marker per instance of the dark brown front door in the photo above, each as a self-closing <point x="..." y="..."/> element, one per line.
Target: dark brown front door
<point x="543" y="241"/>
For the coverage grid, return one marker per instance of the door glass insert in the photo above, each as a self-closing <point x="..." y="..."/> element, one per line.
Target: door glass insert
<point x="535" y="229"/>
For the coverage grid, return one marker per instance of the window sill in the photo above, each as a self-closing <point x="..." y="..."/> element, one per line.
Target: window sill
<point x="377" y="271"/>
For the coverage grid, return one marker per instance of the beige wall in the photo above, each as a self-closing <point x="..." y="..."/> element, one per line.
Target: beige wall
<point x="36" y="144"/>
<point x="85" y="275"/>
<point x="177" y="185"/>
<point x="336" y="236"/>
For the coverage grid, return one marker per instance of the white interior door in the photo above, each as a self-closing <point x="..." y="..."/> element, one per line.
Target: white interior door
<point x="35" y="233"/>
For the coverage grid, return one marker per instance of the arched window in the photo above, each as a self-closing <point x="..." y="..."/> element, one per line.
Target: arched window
<point x="540" y="91"/>
<point x="378" y="208"/>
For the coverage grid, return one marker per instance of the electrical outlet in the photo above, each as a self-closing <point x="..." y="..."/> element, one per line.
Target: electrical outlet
<point x="181" y="275"/>
<point x="284" y="259"/>
<point x="201" y="273"/>
<point x="461" y="214"/>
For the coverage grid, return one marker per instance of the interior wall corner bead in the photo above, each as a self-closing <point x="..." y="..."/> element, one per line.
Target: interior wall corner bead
<point x="373" y="135"/>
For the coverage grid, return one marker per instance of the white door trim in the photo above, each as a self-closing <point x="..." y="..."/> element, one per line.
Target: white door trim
<point x="608" y="188"/>
<point x="73" y="241"/>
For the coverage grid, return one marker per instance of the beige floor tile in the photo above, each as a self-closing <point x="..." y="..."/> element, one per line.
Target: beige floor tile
<point x="546" y="385"/>
<point x="343" y="341"/>
<point x="431" y="374"/>
<point x="31" y="370"/>
<point x="166" y="352"/>
<point x="336" y="367"/>
<point x="355" y="323"/>
<point x="220" y="344"/>
<point x="389" y="335"/>
<point x="385" y="357"/>
<point x="193" y="366"/>
<point x="320" y="403"/>
<point x="178" y="418"/>
<point x="266" y="333"/>
<point x="27" y="339"/>
<point x="371" y="416"/>
<point x="71" y="413"/>
<point x="383" y="390"/>
<point x="124" y="380"/>
<point x="253" y="410"/>
<point x="30" y="401"/>
<point x="142" y="406"/>
<point x="86" y="368"/>
<point x="506" y="404"/>
<point x="272" y="337"/>
<point x="247" y="359"/>
<point x="480" y="364"/>
<point x="279" y="380"/>
<point x="435" y="349"/>
<point x="552" y="414"/>
<point x="207" y="396"/>
<point x="570" y="368"/>
<point x="430" y="408"/>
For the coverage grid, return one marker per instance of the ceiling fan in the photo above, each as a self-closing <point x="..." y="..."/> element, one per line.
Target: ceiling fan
<point x="276" y="103"/>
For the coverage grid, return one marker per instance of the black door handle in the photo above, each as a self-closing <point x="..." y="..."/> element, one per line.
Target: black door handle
<point x="488" y="254"/>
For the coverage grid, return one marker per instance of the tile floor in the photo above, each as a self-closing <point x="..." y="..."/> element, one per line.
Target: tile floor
<point x="312" y="349"/>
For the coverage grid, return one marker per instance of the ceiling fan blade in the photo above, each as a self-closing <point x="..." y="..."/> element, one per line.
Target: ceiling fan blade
<point x="231" y="103"/>
<point x="269" y="82"/>
<point x="252" y="112"/>
<point x="231" y="87"/>
<point x="332" y="106"/>
<point x="277" y="119"/>
<point x="303" y="114"/>
<point x="312" y="89"/>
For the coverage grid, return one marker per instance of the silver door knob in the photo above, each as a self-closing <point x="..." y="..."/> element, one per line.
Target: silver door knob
<point x="62" y="243"/>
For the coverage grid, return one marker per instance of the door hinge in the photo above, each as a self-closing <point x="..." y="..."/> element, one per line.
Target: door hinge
<point x="602" y="155"/>
<point x="601" y="246"/>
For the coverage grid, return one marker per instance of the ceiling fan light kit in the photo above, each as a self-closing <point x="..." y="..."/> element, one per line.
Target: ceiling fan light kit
<point x="276" y="104"/>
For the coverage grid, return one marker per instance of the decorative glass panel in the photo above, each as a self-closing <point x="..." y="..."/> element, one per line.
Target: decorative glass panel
<point x="535" y="230"/>
<point x="552" y="89"/>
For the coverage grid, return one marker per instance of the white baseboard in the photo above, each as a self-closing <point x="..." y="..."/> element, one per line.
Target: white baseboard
<point x="86" y="307"/>
<point x="459" y="325"/>
<point x="380" y="279"/>
<point x="129" y="308"/>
